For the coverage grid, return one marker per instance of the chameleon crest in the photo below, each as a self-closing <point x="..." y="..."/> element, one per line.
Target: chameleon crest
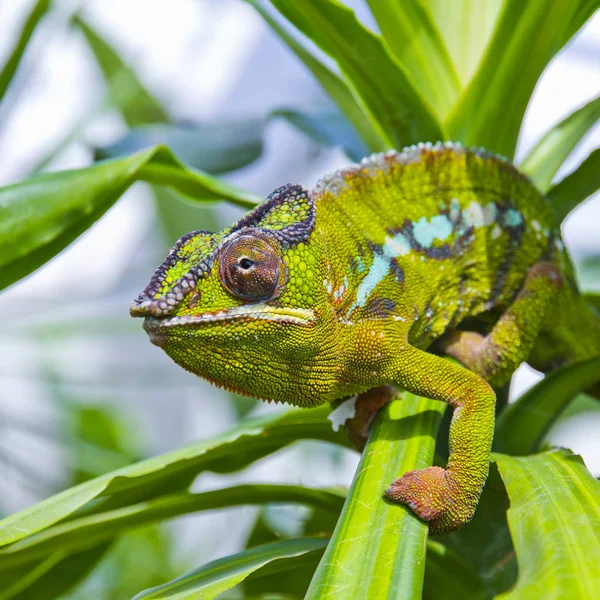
<point x="364" y="282"/>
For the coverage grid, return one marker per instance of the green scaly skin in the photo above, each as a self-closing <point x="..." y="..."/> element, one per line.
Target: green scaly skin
<point x="314" y="297"/>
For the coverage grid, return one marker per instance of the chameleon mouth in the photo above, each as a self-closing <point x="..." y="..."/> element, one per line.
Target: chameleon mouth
<point x="262" y="312"/>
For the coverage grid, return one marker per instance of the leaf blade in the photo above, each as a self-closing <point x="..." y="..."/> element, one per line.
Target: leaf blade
<point x="216" y="577"/>
<point x="555" y="535"/>
<point x="377" y="78"/>
<point x="337" y="89"/>
<point x="84" y="533"/>
<point x="378" y="548"/>
<point x="523" y="424"/>
<point x="552" y="150"/>
<point x="37" y="12"/>
<point x="42" y="215"/>
<point x="466" y="27"/>
<point x="492" y="97"/>
<point x="576" y="187"/>
<point x="414" y="39"/>
<point x="228" y="452"/>
<point x="125" y="90"/>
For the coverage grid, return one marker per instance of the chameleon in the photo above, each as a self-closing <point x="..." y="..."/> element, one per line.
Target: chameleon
<point x="371" y="280"/>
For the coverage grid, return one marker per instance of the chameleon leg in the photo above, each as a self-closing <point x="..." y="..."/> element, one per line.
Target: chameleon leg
<point x="495" y="356"/>
<point x="367" y="406"/>
<point x="447" y="498"/>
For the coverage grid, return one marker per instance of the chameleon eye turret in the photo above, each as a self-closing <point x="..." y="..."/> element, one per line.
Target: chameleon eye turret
<point x="252" y="268"/>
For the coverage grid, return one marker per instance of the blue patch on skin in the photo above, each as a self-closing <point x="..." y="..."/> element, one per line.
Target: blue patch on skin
<point x="512" y="218"/>
<point x="360" y="264"/>
<point x="438" y="228"/>
<point x="379" y="269"/>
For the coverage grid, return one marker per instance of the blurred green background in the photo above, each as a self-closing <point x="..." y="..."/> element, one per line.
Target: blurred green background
<point x="82" y="391"/>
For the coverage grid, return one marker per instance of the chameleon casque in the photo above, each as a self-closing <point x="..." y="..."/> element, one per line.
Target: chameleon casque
<point x="364" y="282"/>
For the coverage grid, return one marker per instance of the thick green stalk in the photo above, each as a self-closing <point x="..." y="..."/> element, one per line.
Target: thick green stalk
<point x="378" y="548"/>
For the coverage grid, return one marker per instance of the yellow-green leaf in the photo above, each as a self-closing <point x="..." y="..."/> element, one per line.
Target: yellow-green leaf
<point x="577" y="186"/>
<point x="42" y="215"/>
<point x="552" y="150"/>
<point x="412" y="36"/>
<point x="491" y="109"/>
<point x="218" y="576"/>
<point x="554" y="520"/>
<point x="378" y="548"/>
<point x="377" y="77"/>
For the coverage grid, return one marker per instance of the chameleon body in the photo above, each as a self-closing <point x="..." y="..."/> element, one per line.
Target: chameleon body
<point x="362" y="283"/>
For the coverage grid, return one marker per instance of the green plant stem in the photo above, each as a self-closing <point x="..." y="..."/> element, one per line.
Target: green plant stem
<point x="378" y="548"/>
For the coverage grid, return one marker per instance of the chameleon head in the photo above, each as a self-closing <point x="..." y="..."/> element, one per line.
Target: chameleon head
<point x="243" y="308"/>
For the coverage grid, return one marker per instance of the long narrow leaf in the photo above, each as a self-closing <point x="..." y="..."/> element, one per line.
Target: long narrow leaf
<point x="376" y="76"/>
<point x="577" y="186"/>
<point x="585" y="10"/>
<point x="545" y="159"/>
<point x="491" y="109"/>
<point x="460" y="581"/>
<point x="340" y="93"/>
<point x="554" y="520"/>
<point x="378" y="548"/>
<point x="523" y="425"/>
<point x="37" y="12"/>
<point x="231" y="451"/>
<point x="136" y="103"/>
<point x="214" y="147"/>
<point x="53" y="577"/>
<point x="90" y="531"/>
<point x="218" y="576"/>
<point x="413" y="37"/>
<point x="466" y="27"/>
<point x="328" y="129"/>
<point x="40" y="216"/>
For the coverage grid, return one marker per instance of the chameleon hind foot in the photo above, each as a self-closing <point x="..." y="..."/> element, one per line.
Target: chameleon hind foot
<point x="367" y="405"/>
<point x="496" y="356"/>
<point x="434" y="497"/>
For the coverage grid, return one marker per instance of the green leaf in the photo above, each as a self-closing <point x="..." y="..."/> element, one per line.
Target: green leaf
<point x="493" y="96"/>
<point x="87" y="532"/>
<point x="411" y="34"/>
<point x="459" y="580"/>
<point x="51" y="578"/>
<point x="340" y="93"/>
<point x="466" y="27"/>
<point x="125" y="89"/>
<point x="216" y="577"/>
<point x="37" y="12"/>
<point x="552" y="150"/>
<point x="378" y="548"/>
<point x="327" y="129"/>
<point x="577" y="186"/>
<point x="42" y="215"/>
<point x="523" y="425"/>
<point x="485" y="544"/>
<point x="585" y="10"/>
<point x="216" y="147"/>
<point x="378" y="79"/>
<point x="593" y="298"/>
<point x="228" y="452"/>
<point x="554" y="520"/>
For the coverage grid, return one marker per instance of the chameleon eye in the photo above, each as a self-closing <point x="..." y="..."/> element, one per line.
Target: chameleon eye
<point x="251" y="268"/>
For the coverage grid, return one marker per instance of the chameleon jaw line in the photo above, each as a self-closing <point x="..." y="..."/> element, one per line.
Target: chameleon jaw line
<point x="298" y="316"/>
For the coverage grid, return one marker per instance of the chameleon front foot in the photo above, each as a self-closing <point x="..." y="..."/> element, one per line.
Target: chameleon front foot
<point x="435" y="497"/>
